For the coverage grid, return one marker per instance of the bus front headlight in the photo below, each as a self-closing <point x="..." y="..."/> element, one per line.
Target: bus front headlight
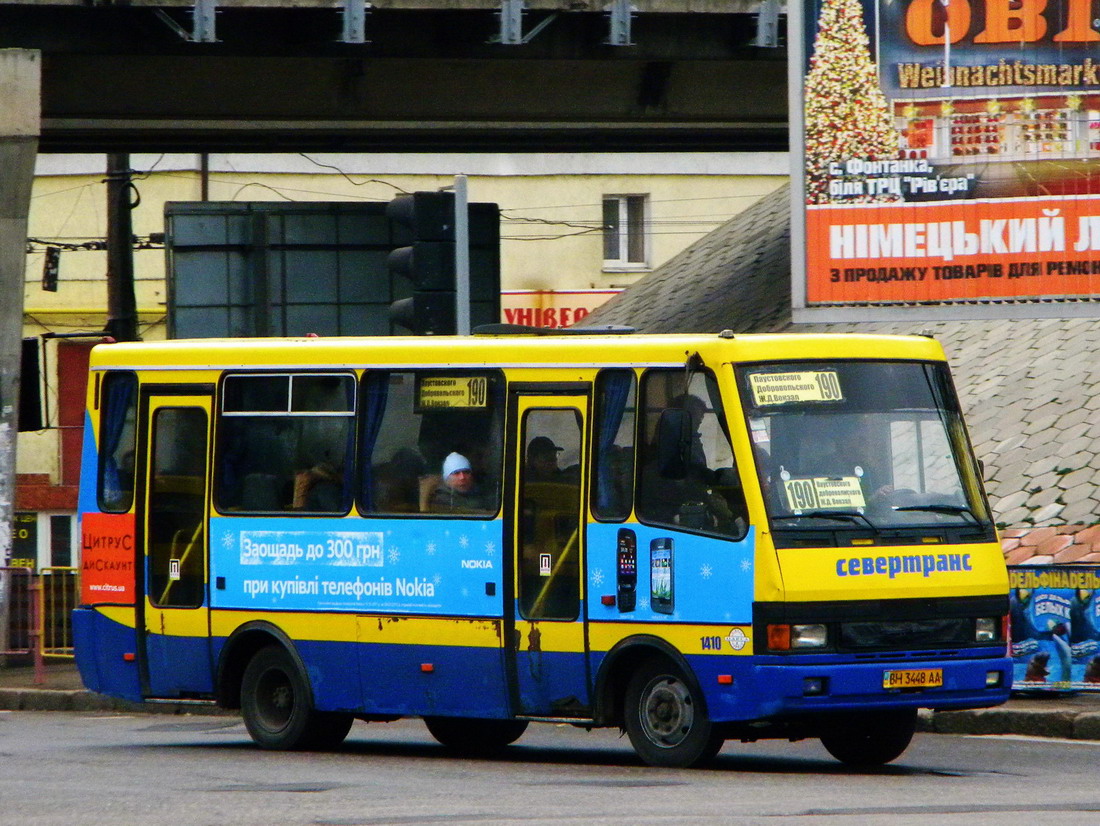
<point x="809" y="636"/>
<point x="790" y="637"/>
<point x="985" y="629"/>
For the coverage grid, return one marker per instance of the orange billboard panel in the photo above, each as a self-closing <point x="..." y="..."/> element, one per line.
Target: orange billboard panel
<point x="107" y="558"/>
<point x="937" y="251"/>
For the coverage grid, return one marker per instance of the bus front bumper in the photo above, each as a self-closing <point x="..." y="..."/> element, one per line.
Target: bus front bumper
<point x="774" y="688"/>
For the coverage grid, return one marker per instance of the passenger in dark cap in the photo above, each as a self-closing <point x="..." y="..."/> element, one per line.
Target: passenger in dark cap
<point x="542" y="460"/>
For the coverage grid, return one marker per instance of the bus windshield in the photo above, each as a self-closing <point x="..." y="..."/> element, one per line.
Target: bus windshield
<point x="861" y="445"/>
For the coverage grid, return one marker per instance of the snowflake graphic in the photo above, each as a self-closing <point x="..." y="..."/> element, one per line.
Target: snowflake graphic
<point x="597" y="576"/>
<point x="430" y="548"/>
<point x="464" y="541"/>
<point x="465" y="593"/>
<point x="643" y="603"/>
<point x="746" y="564"/>
<point x="228" y="541"/>
<point x="394" y="556"/>
<point x="437" y="579"/>
<point x="490" y="548"/>
<point x="706" y="571"/>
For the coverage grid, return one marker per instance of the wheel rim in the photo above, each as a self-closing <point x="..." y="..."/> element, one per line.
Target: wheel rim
<point x="274" y="699"/>
<point x="667" y="711"/>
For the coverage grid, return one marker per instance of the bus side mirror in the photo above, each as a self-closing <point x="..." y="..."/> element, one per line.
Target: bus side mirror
<point x="673" y="443"/>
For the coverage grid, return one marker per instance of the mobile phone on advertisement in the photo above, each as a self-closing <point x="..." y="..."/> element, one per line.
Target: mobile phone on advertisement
<point x="660" y="575"/>
<point x="627" y="575"/>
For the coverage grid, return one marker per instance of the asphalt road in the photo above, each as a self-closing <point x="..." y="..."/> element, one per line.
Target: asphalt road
<point x="92" y="769"/>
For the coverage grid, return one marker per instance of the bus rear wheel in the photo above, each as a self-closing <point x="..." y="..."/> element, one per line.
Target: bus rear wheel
<point x="475" y="736"/>
<point x="276" y="708"/>
<point x="870" y="739"/>
<point x="665" y="718"/>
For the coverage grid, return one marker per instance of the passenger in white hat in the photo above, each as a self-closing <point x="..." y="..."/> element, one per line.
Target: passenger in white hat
<point x="459" y="492"/>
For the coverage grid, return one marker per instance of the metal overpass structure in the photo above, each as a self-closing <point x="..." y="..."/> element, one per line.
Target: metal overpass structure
<point x="405" y="75"/>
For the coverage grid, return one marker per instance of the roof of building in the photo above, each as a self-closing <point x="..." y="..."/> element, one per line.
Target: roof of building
<point x="1030" y="388"/>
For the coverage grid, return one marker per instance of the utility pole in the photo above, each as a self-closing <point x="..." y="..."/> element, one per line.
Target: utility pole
<point x="121" y="301"/>
<point x="20" y="117"/>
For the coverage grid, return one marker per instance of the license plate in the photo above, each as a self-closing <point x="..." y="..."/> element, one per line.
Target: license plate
<point x="913" y="678"/>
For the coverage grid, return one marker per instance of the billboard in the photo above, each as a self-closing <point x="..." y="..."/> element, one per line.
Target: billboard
<point x="1055" y="620"/>
<point x="950" y="151"/>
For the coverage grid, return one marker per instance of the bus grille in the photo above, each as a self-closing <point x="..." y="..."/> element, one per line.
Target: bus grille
<point x="906" y="634"/>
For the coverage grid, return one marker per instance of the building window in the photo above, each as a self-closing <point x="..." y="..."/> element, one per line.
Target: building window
<point x="624" y="241"/>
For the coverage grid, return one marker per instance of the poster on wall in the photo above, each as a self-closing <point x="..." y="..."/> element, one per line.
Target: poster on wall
<point x="950" y="150"/>
<point x="1055" y="619"/>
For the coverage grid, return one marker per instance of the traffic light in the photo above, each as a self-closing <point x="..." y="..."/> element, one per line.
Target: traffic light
<point x="425" y="221"/>
<point x="425" y="283"/>
<point x="484" y="264"/>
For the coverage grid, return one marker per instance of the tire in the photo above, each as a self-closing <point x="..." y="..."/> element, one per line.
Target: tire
<point x="469" y="735"/>
<point x="666" y="720"/>
<point x="328" y="730"/>
<point x="275" y="704"/>
<point x="870" y="739"/>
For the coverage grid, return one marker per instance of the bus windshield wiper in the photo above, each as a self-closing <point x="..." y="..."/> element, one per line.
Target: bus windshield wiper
<point x="847" y="516"/>
<point x="955" y="510"/>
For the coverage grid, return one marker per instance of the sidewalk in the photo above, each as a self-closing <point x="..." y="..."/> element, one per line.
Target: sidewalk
<point x="62" y="690"/>
<point x="1074" y="717"/>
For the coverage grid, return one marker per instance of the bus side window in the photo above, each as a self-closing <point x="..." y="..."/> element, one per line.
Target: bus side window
<point x="613" y="452"/>
<point x="117" y="441"/>
<point x="688" y="477"/>
<point x="285" y="442"/>
<point x="411" y="422"/>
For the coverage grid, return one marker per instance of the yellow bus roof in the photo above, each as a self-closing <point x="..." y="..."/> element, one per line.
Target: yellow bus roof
<point x="509" y="350"/>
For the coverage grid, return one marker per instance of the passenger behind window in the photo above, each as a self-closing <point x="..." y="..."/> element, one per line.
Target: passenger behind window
<point x="459" y="491"/>
<point x="256" y="466"/>
<point x="678" y="486"/>
<point x="542" y="460"/>
<point x="319" y="489"/>
<point x="397" y="482"/>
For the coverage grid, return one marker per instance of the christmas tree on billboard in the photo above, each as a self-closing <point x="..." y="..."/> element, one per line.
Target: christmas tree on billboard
<point x="847" y="116"/>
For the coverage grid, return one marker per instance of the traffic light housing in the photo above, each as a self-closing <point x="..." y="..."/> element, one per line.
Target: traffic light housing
<point x="423" y="271"/>
<point x="425" y="221"/>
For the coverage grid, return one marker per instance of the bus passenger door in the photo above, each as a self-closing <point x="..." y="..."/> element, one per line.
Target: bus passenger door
<point x="174" y="617"/>
<point x="545" y="616"/>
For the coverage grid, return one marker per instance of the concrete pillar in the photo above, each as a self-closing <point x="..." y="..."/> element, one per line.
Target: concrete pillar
<point x="20" y="117"/>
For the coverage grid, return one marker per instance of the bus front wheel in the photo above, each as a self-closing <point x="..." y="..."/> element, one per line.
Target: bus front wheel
<point x="276" y="708"/>
<point x="665" y="718"/>
<point x="475" y="736"/>
<point x="870" y="739"/>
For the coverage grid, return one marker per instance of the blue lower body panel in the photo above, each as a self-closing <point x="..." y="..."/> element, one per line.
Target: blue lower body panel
<point x="431" y="680"/>
<point x="99" y="644"/>
<point x="179" y="666"/>
<point x="551" y="683"/>
<point x="773" y="690"/>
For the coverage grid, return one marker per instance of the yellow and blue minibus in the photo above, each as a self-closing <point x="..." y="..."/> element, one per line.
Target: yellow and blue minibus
<point x="695" y="538"/>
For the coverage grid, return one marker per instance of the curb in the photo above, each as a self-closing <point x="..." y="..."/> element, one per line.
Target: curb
<point x="1067" y="725"/>
<point x="43" y="699"/>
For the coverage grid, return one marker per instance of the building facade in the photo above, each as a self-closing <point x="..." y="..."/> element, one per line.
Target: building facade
<point x="575" y="229"/>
